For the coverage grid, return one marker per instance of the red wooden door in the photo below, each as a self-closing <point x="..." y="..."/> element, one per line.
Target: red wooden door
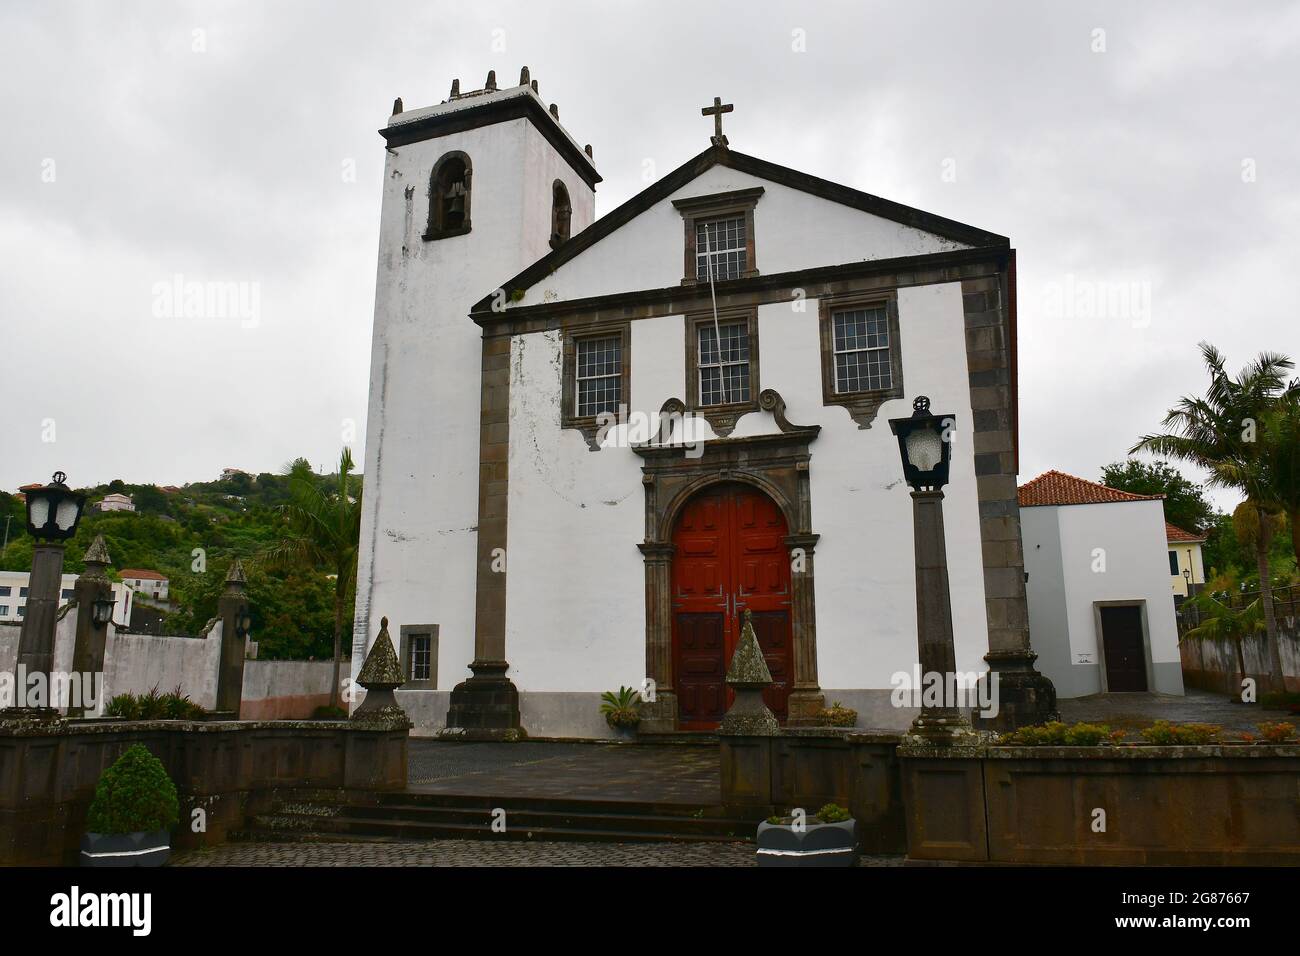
<point x="730" y="556"/>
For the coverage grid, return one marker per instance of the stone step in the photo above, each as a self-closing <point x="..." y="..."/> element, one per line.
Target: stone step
<point x="585" y="818"/>
<point x="295" y="826"/>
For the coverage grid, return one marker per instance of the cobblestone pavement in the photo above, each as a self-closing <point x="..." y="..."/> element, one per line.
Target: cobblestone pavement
<point x="1135" y="711"/>
<point x="650" y="773"/>
<point x="484" y="853"/>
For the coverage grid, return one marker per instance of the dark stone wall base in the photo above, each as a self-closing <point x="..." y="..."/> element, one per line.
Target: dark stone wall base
<point x="488" y="701"/>
<point x="1025" y="696"/>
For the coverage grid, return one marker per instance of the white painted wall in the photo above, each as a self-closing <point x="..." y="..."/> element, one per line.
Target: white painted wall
<point x="575" y="613"/>
<point x="1130" y="535"/>
<point x="418" y="546"/>
<point x="793" y="230"/>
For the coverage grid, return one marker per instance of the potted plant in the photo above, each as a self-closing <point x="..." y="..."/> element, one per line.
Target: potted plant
<point x="620" y="710"/>
<point x="827" y="839"/>
<point x="135" y="806"/>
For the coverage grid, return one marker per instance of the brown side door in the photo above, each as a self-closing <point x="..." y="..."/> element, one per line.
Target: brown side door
<point x="1121" y="634"/>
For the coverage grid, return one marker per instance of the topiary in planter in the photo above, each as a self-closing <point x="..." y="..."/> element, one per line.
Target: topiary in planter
<point x="135" y="806"/>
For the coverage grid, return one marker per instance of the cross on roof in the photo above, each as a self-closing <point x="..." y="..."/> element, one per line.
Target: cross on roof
<point x="716" y="111"/>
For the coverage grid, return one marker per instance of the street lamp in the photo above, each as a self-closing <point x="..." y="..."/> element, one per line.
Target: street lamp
<point x="925" y="446"/>
<point x="243" y="623"/>
<point x="53" y="511"/>
<point x="101" y="611"/>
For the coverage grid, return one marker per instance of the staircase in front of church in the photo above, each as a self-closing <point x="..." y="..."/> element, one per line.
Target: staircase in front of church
<point x="408" y="816"/>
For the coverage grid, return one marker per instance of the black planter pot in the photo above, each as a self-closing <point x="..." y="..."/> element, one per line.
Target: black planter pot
<point x="820" y="844"/>
<point x="125" y="849"/>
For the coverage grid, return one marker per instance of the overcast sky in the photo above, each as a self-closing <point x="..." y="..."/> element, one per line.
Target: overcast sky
<point x="1144" y="159"/>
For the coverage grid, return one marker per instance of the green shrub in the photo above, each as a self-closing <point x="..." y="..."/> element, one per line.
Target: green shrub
<point x="134" y="795"/>
<point x="155" y="706"/>
<point x="1057" y="734"/>
<point x="1277" y="733"/>
<point x="1164" y="733"/>
<point x="329" y="712"/>
<point x="837" y="715"/>
<point x="833" y="813"/>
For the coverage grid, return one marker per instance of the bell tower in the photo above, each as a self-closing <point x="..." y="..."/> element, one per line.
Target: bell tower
<point x="469" y="194"/>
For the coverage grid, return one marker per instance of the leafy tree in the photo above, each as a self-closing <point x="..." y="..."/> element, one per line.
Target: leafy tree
<point x="1220" y="432"/>
<point x="1281" y="449"/>
<point x="1185" y="503"/>
<point x="323" y="531"/>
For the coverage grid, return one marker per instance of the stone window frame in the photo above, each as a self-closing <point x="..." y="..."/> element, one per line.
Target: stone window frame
<point x="864" y="405"/>
<point x="718" y="206"/>
<point x="432" y="232"/>
<point x="405" y="633"/>
<point x="722" y="418"/>
<point x="589" y="425"/>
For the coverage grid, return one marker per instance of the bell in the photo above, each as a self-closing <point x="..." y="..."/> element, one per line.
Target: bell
<point x="457" y="204"/>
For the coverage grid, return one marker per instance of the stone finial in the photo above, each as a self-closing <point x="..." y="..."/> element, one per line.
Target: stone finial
<point x="535" y="90"/>
<point x="749" y="676"/>
<point x="380" y="675"/>
<point x="236" y="573"/>
<point x="491" y="83"/>
<point x="587" y="149"/>
<point x="455" y="88"/>
<point x="523" y="77"/>
<point x="97" y="553"/>
<point x="96" y="559"/>
<point x="381" y="670"/>
<point x="555" y="112"/>
<point x="397" y="106"/>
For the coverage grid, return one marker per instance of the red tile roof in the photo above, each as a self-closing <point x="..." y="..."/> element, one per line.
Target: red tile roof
<point x="142" y="574"/>
<point x="1175" y="533"/>
<point x="1058" y="488"/>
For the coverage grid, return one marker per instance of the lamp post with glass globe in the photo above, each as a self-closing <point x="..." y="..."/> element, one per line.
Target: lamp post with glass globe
<point x="53" y="512"/>
<point x="925" y="444"/>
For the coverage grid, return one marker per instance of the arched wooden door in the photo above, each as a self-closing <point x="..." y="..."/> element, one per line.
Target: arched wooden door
<point x="729" y="556"/>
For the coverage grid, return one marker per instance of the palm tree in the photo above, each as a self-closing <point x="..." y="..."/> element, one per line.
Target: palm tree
<point x="1221" y="432"/>
<point x="324" y="527"/>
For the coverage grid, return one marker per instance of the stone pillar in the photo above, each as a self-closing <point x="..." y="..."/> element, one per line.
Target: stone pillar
<point x="486" y="707"/>
<point x="806" y="697"/>
<point x="659" y="716"/>
<point x="988" y="303"/>
<point x="36" y="639"/>
<point x="232" y="607"/>
<point x="88" y="650"/>
<point x="937" y="653"/>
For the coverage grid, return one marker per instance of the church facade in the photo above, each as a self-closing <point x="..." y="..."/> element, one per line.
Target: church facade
<point x="592" y="445"/>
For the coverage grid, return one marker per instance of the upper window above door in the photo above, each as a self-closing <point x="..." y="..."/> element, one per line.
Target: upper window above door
<point x="719" y="235"/>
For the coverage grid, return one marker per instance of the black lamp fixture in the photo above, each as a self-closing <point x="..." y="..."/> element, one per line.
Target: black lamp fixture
<point x="243" y="623"/>
<point x="53" y="510"/>
<point x="925" y="444"/>
<point x="101" y="611"/>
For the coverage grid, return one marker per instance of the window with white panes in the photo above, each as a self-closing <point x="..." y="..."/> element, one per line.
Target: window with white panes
<point x="724" y="370"/>
<point x="861" y="350"/>
<point x="720" y="245"/>
<point x="598" y="378"/>
<point x="419" y="664"/>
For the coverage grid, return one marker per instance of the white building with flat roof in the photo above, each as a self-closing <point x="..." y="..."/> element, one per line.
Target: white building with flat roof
<point x="13" y="597"/>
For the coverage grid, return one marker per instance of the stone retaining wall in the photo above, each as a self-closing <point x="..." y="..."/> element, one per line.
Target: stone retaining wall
<point x="226" y="769"/>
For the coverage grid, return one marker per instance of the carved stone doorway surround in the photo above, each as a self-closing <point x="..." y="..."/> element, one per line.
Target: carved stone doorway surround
<point x="777" y="464"/>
